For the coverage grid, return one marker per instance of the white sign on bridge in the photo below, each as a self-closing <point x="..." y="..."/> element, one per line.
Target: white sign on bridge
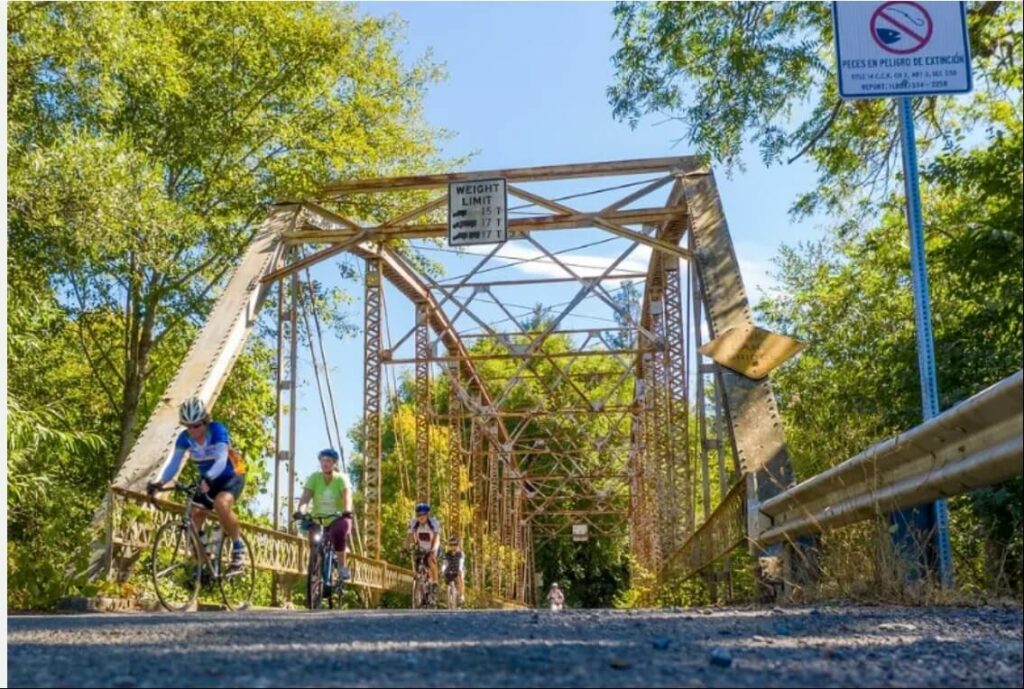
<point x="477" y="212"/>
<point x="901" y="48"/>
<point x="580" y="532"/>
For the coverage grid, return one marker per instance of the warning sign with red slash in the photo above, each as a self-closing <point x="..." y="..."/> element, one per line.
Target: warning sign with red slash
<point x="901" y="48"/>
<point x="901" y="28"/>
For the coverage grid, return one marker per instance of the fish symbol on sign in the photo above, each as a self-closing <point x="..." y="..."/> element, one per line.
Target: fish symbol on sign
<point x="888" y="36"/>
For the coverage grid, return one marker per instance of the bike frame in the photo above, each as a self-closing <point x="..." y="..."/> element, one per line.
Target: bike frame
<point x="203" y="557"/>
<point x="318" y="534"/>
<point x="206" y="555"/>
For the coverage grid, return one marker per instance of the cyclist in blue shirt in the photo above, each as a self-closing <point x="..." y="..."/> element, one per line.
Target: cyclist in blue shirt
<point x="222" y="469"/>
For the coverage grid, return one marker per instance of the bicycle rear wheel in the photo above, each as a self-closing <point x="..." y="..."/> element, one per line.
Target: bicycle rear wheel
<point x="176" y="566"/>
<point x="237" y="589"/>
<point x="315" y="580"/>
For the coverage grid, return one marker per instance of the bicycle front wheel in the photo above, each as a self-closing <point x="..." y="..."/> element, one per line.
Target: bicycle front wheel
<point x="176" y="566"/>
<point x="315" y="580"/>
<point x="236" y="588"/>
<point x="453" y="596"/>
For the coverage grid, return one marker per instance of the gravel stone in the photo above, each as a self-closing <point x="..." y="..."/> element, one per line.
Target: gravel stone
<point x="838" y="647"/>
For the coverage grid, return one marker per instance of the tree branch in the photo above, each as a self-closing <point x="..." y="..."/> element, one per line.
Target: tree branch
<point x="818" y="134"/>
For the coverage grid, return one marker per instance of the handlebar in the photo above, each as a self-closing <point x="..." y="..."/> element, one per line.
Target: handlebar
<point x="322" y="519"/>
<point x="154" y="487"/>
<point x="158" y="487"/>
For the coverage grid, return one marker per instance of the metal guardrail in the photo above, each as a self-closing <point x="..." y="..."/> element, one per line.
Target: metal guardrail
<point x="977" y="443"/>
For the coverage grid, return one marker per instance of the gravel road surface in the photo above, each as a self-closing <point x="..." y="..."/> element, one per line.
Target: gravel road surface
<point x="800" y="647"/>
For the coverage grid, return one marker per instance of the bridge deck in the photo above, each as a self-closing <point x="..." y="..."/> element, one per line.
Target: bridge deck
<point x="793" y="647"/>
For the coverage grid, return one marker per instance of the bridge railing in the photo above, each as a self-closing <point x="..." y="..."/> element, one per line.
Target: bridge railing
<point x="723" y="531"/>
<point x="132" y="524"/>
<point x="977" y="443"/>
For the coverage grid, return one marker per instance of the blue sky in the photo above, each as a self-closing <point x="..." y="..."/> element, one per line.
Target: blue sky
<point x="526" y="86"/>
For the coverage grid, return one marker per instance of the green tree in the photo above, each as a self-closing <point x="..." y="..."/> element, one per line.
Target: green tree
<point x="848" y="298"/>
<point x="734" y="73"/>
<point x="145" y="142"/>
<point x="764" y="72"/>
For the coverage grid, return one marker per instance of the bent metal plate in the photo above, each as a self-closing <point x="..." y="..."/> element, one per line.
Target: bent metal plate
<point x="477" y="212"/>
<point x="751" y="351"/>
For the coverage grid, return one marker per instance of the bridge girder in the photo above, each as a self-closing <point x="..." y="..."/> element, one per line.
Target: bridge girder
<point x="659" y="468"/>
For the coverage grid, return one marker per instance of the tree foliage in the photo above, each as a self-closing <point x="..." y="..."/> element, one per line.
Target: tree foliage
<point x="849" y="299"/>
<point x="733" y="73"/>
<point x="764" y="72"/>
<point x="145" y="142"/>
<point x="591" y="573"/>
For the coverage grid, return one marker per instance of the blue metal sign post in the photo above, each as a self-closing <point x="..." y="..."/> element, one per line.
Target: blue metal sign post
<point x="901" y="49"/>
<point x="932" y="518"/>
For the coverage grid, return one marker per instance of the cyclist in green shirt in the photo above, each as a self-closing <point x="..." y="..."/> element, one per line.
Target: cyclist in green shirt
<point x="331" y="493"/>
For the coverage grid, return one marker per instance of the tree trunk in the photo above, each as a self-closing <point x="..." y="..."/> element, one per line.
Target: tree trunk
<point x="136" y="368"/>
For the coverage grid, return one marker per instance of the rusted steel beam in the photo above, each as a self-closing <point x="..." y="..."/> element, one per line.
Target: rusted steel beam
<point x="569" y="477"/>
<point x="679" y="401"/>
<point x="404" y="277"/>
<point x="519" y="413"/>
<point x="612" y="221"/>
<point x="422" y="385"/>
<point x="537" y="281"/>
<point x="522" y="174"/>
<point x="571" y="331"/>
<point x="561" y="221"/>
<point x="524" y="355"/>
<point x="573" y="513"/>
<point x="371" y="408"/>
<point x="313" y="259"/>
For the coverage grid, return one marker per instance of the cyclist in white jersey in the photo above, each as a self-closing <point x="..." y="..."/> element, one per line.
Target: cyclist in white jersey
<point x="223" y="473"/>
<point x="425" y="531"/>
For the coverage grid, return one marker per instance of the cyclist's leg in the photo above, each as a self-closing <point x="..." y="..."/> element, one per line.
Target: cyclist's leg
<point x="198" y="517"/>
<point x="224" y="497"/>
<point x="432" y="564"/>
<point x="338" y="532"/>
<point x="201" y="505"/>
<point x="224" y="505"/>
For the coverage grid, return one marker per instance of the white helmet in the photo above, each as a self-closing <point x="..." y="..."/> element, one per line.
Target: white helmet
<point x="192" y="411"/>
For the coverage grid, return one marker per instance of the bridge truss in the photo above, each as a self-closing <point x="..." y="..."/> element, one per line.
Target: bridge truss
<point x="687" y="449"/>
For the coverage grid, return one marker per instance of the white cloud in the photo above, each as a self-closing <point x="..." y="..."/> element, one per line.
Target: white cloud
<point x="531" y="261"/>
<point x="754" y="260"/>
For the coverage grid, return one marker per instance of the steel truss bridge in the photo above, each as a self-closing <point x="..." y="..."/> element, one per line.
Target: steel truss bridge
<point x="691" y="461"/>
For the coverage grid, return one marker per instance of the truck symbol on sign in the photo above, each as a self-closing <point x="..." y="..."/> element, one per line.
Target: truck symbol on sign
<point x="466" y="235"/>
<point x="460" y="214"/>
<point x="464" y="223"/>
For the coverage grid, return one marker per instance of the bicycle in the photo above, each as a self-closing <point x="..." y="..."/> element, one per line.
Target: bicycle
<point x="422" y="588"/>
<point x="451" y="577"/>
<point x="323" y="564"/>
<point x="181" y="563"/>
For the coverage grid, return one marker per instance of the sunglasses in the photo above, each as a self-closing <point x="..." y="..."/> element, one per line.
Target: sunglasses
<point x="194" y="426"/>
